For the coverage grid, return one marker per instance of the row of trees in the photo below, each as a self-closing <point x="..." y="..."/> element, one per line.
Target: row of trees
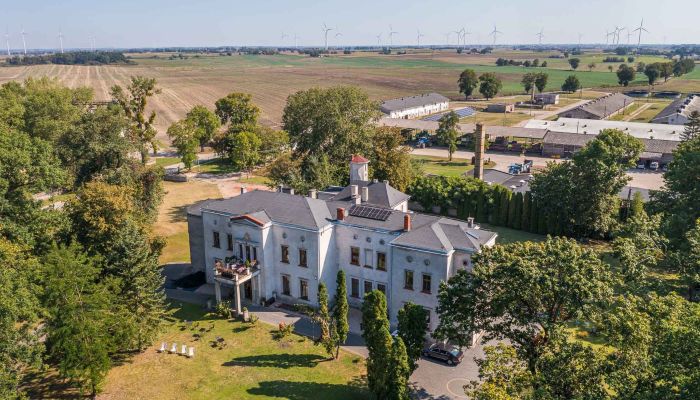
<point x="526" y="63"/>
<point x="81" y="283"/>
<point x="489" y="83"/>
<point x="72" y="58"/>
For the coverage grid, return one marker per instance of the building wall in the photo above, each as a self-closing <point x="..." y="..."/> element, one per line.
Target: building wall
<point x="421" y="111"/>
<point x="196" y="235"/>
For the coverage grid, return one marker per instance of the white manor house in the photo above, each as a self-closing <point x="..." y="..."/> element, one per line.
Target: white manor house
<point x="263" y="245"/>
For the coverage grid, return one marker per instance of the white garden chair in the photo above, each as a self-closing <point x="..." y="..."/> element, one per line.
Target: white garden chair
<point x="184" y="350"/>
<point x="174" y="348"/>
<point x="191" y="353"/>
<point x="162" y="347"/>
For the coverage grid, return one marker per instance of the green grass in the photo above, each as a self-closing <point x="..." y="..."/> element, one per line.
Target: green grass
<point x="166" y="161"/>
<point x="433" y="165"/>
<point x="177" y="248"/>
<point x="508" y="235"/>
<point x="253" y="365"/>
<point x="216" y="166"/>
<point x="256" y="180"/>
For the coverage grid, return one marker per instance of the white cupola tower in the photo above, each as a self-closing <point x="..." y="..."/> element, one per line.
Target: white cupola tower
<point x="359" y="168"/>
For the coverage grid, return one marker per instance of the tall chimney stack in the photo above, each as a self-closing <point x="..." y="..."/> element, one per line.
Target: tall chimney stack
<point x="340" y="213"/>
<point x="365" y="194"/>
<point x="407" y="222"/>
<point x="480" y="139"/>
<point x="313" y="193"/>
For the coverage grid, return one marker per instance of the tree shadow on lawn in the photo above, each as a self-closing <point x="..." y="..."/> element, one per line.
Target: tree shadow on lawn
<point x="284" y="361"/>
<point x="178" y="213"/>
<point x="355" y="389"/>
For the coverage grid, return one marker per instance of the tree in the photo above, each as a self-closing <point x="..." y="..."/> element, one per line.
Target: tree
<point x="398" y="372"/>
<point x="340" y="311"/>
<point x="334" y="122"/>
<point x="467" y="82"/>
<point x="489" y="85"/>
<point x="557" y="280"/>
<point x="79" y="313"/>
<point x="591" y="66"/>
<point x="238" y="110"/>
<point x="184" y="136"/>
<point x="574" y="63"/>
<point x="639" y="247"/>
<point x="447" y="132"/>
<point x="652" y="72"/>
<point x="528" y="82"/>
<point x="206" y="122"/>
<point x="690" y="263"/>
<point x="665" y="70"/>
<point x="242" y="149"/>
<point x="375" y="332"/>
<point x="272" y="142"/>
<point x="391" y="160"/>
<point x="640" y="67"/>
<point x="571" y="84"/>
<point x="582" y="195"/>
<point x="413" y="325"/>
<point x="610" y="68"/>
<point x="323" y="318"/>
<point x="541" y="81"/>
<point x="134" y="101"/>
<point x="692" y="127"/>
<point x="625" y="74"/>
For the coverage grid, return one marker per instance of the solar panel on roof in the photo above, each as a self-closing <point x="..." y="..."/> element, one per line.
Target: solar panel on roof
<point x="462" y="112"/>
<point x="376" y="213"/>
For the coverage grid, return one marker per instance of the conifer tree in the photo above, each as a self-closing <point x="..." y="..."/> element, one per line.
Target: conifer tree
<point x="481" y="207"/>
<point x="340" y="313"/>
<point x="399" y="372"/>
<point x="323" y="318"/>
<point x="692" y="127"/>
<point x="375" y="332"/>
<point x="527" y="206"/>
<point x="504" y="205"/>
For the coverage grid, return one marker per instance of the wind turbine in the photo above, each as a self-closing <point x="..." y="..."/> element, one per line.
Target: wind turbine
<point x="379" y="39"/>
<point x="391" y="35"/>
<point x="495" y="33"/>
<point x="580" y="35"/>
<point x="24" y="41"/>
<point x="337" y="35"/>
<point x="540" y="35"/>
<point x="459" y="36"/>
<point x="464" y="37"/>
<point x="7" y="41"/>
<point x="326" y="29"/>
<point x="640" y="29"/>
<point x="284" y="35"/>
<point x="419" y="36"/>
<point x="447" y="38"/>
<point x="618" y="30"/>
<point x="295" y="41"/>
<point x="60" y="39"/>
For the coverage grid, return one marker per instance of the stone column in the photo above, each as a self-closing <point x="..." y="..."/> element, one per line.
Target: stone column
<point x="238" y="299"/>
<point x="479" y="144"/>
<point x="217" y="291"/>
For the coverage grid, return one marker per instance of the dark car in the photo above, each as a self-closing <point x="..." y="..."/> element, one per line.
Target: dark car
<point x="449" y="354"/>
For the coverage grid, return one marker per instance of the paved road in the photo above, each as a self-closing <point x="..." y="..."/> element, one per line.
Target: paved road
<point x="645" y="179"/>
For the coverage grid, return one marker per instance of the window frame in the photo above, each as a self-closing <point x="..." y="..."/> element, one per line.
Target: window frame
<point x="430" y="283"/>
<point x="364" y="287"/>
<point x="303" y="287"/>
<point x="383" y="263"/>
<point x="229" y="242"/>
<point x="216" y="239"/>
<point x="382" y="285"/>
<point x="286" y="279"/>
<point x="355" y="289"/>
<point x="406" y="273"/>
<point x="354" y="255"/>
<point x="303" y="264"/>
<point x="284" y="253"/>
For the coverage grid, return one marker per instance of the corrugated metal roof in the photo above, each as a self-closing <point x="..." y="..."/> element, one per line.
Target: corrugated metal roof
<point x="420" y="100"/>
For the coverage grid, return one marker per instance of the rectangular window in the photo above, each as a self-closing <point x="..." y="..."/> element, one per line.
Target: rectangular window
<point x="285" y="254"/>
<point x="368" y="287"/>
<point x="368" y="258"/>
<point x="302" y="257"/>
<point x="427" y="316"/>
<point x="303" y="289"/>
<point x="408" y="279"/>
<point x="255" y="253"/>
<point x="382" y="288"/>
<point x="247" y="252"/>
<point x="355" y="288"/>
<point x="285" y="285"/>
<point x="229" y="242"/>
<point x="240" y="251"/>
<point x="217" y="242"/>
<point x="426" y="283"/>
<point x="355" y="255"/>
<point x="381" y="261"/>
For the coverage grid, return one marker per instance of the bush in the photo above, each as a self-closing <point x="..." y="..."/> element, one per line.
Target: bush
<point x="223" y="310"/>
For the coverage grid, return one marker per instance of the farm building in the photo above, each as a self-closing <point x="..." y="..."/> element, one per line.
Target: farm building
<point x="601" y="108"/>
<point x="415" y="106"/>
<point x="547" y="98"/>
<point x="500" y="108"/>
<point x="678" y="112"/>
<point x="640" y="130"/>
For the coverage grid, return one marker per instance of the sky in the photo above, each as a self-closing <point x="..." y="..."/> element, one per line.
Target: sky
<point x="161" y="23"/>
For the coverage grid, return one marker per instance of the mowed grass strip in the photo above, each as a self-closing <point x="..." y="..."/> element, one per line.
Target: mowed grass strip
<point x="252" y="365"/>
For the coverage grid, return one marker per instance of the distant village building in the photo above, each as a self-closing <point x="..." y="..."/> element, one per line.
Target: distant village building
<point x="601" y="108"/>
<point x="500" y="108"/>
<point x="269" y="247"/>
<point x="678" y="112"/>
<point x="547" y="98"/>
<point x="415" y="106"/>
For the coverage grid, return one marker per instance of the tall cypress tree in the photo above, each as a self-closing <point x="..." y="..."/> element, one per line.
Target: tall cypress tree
<point x="534" y="216"/>
<point x="504" y="204"/>
<point x="323" y="318"/>
<point x="481" y="215"/>
<point x="525" y="220"/>
<point x="375" y="332"/>
<point x="340" y="312"/>
<point x="399" y="372"/>
<point x="515" y="215"/>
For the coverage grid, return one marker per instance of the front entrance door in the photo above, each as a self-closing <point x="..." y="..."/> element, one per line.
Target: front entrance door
<point x="248" y="290"/>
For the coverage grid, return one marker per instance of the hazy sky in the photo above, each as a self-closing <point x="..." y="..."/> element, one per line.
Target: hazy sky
<point x="150" y="23"/>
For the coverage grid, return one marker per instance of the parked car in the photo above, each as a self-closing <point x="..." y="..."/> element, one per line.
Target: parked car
<point x="450" y="354"/>
<point x="654" y="165"/>
<point x="641" y="165"/>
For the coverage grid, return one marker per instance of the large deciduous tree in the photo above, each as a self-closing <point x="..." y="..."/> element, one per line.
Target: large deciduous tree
<point x="468" y="82"/>
<point x="574" y="63"/>
<point x="133" y="101"/>
<point x="238" y="110"/>
<point x="557" y="280"/>
<point x="571" y="84"/>
<point x="489" y="85"/>
<point x="184" y="135"/>
<point x="413" y="325"/>
<point x="625" y="74"/>
<point x="391" y="160"/>
<point x="447" y="132"/>
<point x="206" y="122"/>
<point x="582" y="194"/>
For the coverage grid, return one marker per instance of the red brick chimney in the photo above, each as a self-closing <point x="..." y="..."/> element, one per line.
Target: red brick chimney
<point x="340" y="214"/>
<point x="407" y="222"/>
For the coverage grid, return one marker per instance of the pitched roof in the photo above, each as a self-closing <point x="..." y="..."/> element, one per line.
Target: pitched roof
<point x="683" y="106"/>
<point x="602" y="107"/>
<point x="420" y="100"/>
<point x="380" y="193"/>
<point x="356" y="158"/>
<point x="578" y="139"/>
<point x="274" y="206"/>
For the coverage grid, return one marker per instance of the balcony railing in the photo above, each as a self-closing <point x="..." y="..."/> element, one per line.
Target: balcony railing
<point x="235" y="269"/>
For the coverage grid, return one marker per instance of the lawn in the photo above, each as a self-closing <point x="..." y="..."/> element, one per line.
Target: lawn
<point x="167" y="161"/>
<point x="172" y="216"/>
<point x="216" y="166"/>
<point x="252" y="365"/>
<point x="508" y="235"/>
<point x="433" y="165"/>
<point x="650" y="112"/>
